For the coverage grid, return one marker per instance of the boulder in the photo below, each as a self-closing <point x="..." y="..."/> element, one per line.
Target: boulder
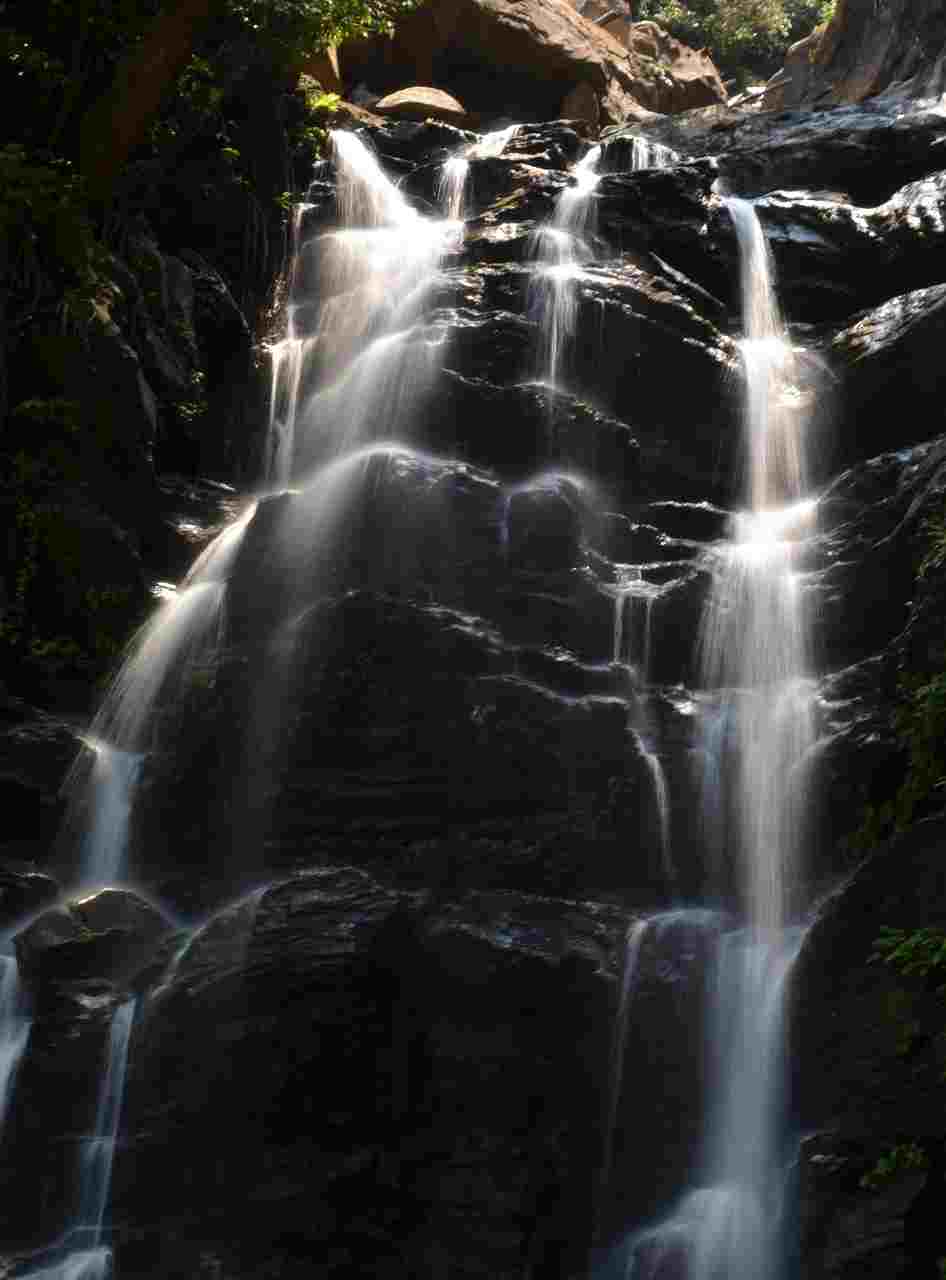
<point x="689" y="77"/>
<point x="526" y="54"/>
<point x="110" y="935"/>
<point x="421" y="103"/>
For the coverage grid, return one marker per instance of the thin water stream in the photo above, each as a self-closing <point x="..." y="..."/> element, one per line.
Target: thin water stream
<point x="758" y="730"/>
<point x="83" y="1253"/>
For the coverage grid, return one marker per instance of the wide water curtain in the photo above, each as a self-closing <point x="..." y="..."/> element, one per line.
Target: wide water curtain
<point x="358" y="359"/>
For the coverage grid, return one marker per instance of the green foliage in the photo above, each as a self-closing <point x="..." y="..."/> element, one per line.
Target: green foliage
<point x="905" y="1157"/>
<point x="913" y="953"/>
<point x="747" y="39"/>
<point x="305" y="26"/>
<point x="920" y="724"/>
<point x="919" y="957"/>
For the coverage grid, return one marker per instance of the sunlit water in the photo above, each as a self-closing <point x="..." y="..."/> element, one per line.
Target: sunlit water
<point x="560" y="250"/>
<point x="451" y="186"/>
<point x="757" y="733"/>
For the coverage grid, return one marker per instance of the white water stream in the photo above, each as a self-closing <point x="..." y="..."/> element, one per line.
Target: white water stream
<point x="451" y="187"/>
<point x="15" y="1023"/>
<point x="92" y="1259"/>
<point x="757" y="738"/>
<point x="560" y="250"/>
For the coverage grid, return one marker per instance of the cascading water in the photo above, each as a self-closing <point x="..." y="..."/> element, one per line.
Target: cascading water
<point x="84" y="1256"/>
<point x="183" y="632"/>
<point x="363" y="360"/>
<point x="758" y="731"/>
<point x="347" y="381"/>
<point x="451" y="187"/>
<point x="15" y="1025"/>
<point x="634" y="600"/>
<point x="651" y="155"/>
<point x="561" y="249"/>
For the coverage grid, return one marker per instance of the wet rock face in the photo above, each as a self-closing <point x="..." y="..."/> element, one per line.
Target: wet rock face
<point x="870" y="1073"/>
<point x="430" y="1106"/>
<point x="862" y="52"/>
<point x="420" y="749"/>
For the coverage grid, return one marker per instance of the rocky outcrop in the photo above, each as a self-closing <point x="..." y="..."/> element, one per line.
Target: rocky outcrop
<point x="690" y="78"/>
<point x="862" y="51"/>
<point x="864" y="153"/>
<point x="531" y="55"/>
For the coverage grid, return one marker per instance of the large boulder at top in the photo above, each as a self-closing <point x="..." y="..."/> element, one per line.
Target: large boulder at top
<point x="864" y="50"/>
<point x="528" y="55"/>
<point x="421" y="102"/>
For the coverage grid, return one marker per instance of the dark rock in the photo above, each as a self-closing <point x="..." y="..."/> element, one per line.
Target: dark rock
<point x="879" y="1068"/>
<point x="848" y="1225"/>
<point x="883" y="357"/>
<point x="868" y="151"/>
<point x="23" y="891"/>
<point x="543" y="528"/>
<point x="401" y="1015"/>
<point x="108" y="936"/>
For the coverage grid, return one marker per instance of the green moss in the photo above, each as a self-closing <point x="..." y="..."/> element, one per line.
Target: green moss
<point x="905" y="1157"/>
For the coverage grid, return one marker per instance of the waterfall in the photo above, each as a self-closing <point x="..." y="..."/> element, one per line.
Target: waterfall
<point x="359" y="359"/>
<point x="184" y="631"/>
<point x="15" y="1025"/>
<point x="561" y="249"/>
<point x="656" y="931"/>
<point x="757" y="733"/>
<point x="93" y="1260"/>
<point x="634" y="600"/>
<point x="98" y="1152"/>
<point x="451" y="186"/>
<point x="755" y="653"/>
<point x="651" y="155"/>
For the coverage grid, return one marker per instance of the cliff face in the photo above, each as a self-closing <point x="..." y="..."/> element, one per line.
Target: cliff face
<point x="399" y="1048"/>
<point x="864" y="50"/>
<point x="394" y="1037"/>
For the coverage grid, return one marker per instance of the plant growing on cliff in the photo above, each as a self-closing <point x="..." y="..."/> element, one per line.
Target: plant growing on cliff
<point x="905" y="1157"/>
<point x="746" y="38"/>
